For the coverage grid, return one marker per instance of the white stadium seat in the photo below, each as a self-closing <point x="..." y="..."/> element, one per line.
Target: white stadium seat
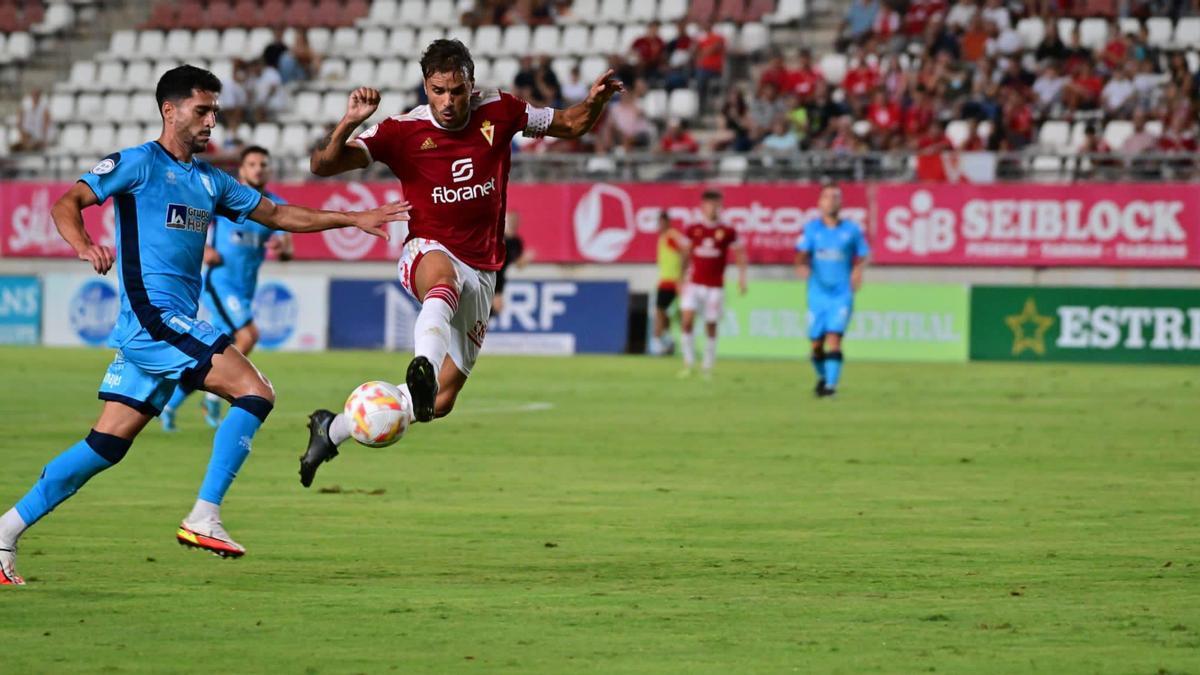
<point x="332" y="70"/>
<point x="583" y="11"/>
<point x="373" y="42"/>
<point x="412" y="74"/>
<point x="179" y="44"/>
<point x="562" y="66"/>
<point x="361" y="73"/>
<point x="1032" y="31"/>
<point x="83" y="76"/>
<point x="116" y="107"/>
<point x="605" y="40"/>
<point x="592" y="67"/>
<point x="412" y="13"/>
<point x="1055" y="136"/>
<point x="89" y="106"/>
<point x="58" y="17"/>
<point x="546" y="40"/>
<point x="139" y="75"/>
<point x="62" y="106"/>
<point x="755" y="37"/>
<point x="151" y="44"/>
<point x="293" y="140"/>
<point x="654" y="104"/>
<point x="442" y="13"/>
<point x="345" y="41"/>
<point x="629" y="33"/>
<point x="1187" y="33"/>
<point x="233" y="43"/>
<point x="733" y="168"/>
<point x="382" y="13"/>
<point x="258" y="39"/>
<point x="1065" y="28"/>
<point x="427" y="35"/>
<point x="642" y="11"/>
<point x="73" y="138"/>
<point x="206" y="43"/>
<point x="463" y="34"/>
<point x="504" y="72"/>
<point x="144" y="108"/>
<point x="19" y="46"/>
<point x="305" y="103"/>
<point x="1093" y="32"/>
<point x="122" y="44"/>
<point x="1159" y="29"/>
<point x="163" y="65"/>
<point x="396" y="101"/>
<point x="102" y="139"/>
<point x="265" y="135"/>
<point x="670" y="11"/>
<point x="390" y="73"/>
<point x="788" y="11"/>
<point x="1154" y="127"/>
<point x="516" y="40"/>
<point x="683" y="104"/>
<point x="614" y="11"/>
<point x="333" y="106"/>
<point x="957" y="132"/>
<point x="129" y="134"/>
<point x="1116" y="131"/>
<point x="483" y="73"/>
<point x="222" y="68"/>
<point x="487" y="40"/>
<point x="401" y="41"/>
<point x="575" y="39"/>
<point x="833" y="67"/>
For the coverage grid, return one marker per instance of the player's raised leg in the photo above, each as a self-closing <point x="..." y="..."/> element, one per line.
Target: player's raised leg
<point x="104" y="446"/>
<point x="233" y="377"/>
<point x="437" y="287"/>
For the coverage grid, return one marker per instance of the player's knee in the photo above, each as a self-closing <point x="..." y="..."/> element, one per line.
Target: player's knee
<point x="111" y="448"/>
<point x="258" y="406"/>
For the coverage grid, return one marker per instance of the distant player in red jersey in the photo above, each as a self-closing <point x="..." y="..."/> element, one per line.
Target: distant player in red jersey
<point x="452" y="157"/>
<point x="708" y="244"/>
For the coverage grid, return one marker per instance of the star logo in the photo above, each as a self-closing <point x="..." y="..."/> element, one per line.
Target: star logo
<point x="1017" y="323"/>
<point x="488" y="131"/>
<point x="428" y="144"/>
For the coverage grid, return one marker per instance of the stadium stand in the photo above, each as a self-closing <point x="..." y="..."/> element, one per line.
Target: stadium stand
<point x="1000" y="75"/>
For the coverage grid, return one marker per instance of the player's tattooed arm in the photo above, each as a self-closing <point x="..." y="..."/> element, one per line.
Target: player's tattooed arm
<point x="292" y="218"/>
<point x="579" y="119"/>
<point x="333" y="155"/>
<point x="67" y="214"/>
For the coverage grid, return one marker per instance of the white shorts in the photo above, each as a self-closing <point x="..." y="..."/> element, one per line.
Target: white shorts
<point x="475" y="291"/>
<point x="710" y="298"/>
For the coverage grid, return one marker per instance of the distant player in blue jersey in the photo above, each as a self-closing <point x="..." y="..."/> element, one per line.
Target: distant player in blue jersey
<point x="233" y="257"/>
<point x="164" y="200"/>
<point x="831" y="255"/>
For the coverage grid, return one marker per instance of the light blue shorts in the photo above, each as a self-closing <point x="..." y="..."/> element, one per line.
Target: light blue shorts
<point x="829" y="315"/>
<point x="145" y="370"/>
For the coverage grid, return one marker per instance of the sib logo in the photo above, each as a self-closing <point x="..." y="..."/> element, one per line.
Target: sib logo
<point x="922" y="229"/>
<point x="462" y="170"/>
<point x="93" y="312"/>
<point x="276" y="312"/>
<point x="604" y="223"/>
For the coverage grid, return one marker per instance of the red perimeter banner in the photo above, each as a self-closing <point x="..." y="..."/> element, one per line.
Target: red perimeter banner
<point x="1119" y="225"/>
<point x="1115" y="225"/>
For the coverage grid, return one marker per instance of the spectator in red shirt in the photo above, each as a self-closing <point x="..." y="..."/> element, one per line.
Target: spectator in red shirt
<point x="710" y="59"/>
<point x="1117" y="47"/>
<point x="918" y="15"/>
<point x="933" y="140"/>
<point x="651" y="51"/>
<point x="676" y="139"/>
<point x="861" y="80"/>
<point x="803" y="78"/>
<point x="919" y="115"/>
<point x="885" y="118"/>
<point x="679" y="57"/>
<point x="973" y="141"/>
<point x="1083" y="91"/>
<point x="886" y="27"/>
<point x="1018" y="121"/>
<point x="973" y="42"/>
<point x="775" y="73"/>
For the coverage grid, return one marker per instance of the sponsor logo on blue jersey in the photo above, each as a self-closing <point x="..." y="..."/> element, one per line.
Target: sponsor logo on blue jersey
<point x="93" y="312"/>
<point x="275" y="312"/>
<point x="183" y="217"/>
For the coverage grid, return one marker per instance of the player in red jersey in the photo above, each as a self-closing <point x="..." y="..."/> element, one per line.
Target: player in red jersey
<point x="452" y="157"/>
<point x="708" y="244"/>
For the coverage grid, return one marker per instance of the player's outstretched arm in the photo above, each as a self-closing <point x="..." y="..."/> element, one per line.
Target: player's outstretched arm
<point x="67" y="214"/>
<point x="333" y="155"/>
<point x="292" y="218"/>
<point x="581" y="117"/>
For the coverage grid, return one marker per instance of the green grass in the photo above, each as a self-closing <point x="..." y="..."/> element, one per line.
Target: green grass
<point x="957" y="518"/>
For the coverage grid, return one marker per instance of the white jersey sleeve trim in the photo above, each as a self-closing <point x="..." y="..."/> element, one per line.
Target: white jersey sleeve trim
<point x="357" y="142"/>
<point x="539" y="120"/>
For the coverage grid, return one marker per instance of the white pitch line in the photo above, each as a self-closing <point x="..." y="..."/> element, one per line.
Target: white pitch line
<point x="532" y="406"/>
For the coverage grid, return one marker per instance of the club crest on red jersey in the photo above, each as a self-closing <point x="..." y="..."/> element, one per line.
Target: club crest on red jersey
<point x="488" y="131"/>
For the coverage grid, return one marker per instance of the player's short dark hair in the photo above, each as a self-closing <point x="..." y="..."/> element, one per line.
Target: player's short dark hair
<point x="178" y="83"/>
<point x="711" y="195"/>
<point x="445" y="56"/>
<point x="253" y="150"/>
<point x="828" y="184"/>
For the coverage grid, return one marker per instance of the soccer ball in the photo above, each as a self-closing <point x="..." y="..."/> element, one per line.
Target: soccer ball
<point x="379" y="412"/>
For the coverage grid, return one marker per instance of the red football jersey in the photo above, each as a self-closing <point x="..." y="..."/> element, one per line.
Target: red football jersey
<point x="457" y="180"/>
<point x="710" y="253"/>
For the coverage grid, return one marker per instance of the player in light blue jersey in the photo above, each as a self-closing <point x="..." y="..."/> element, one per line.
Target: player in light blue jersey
<point x="831" y="255"/>
<point x="232" y="259"/>
<point x="164" y="200"/>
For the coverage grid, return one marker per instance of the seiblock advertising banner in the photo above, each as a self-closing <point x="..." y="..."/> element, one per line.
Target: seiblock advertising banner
<point x="1117" y="225"/>
<point x="80" y="309"/>
<point x="1085" y="324"/>
<point x="893" y="322"/>
<point x="539" y="317"/>
<point x="290" y="311"/>
<point x="26" y="229"/>
<point x="20" y="310"/>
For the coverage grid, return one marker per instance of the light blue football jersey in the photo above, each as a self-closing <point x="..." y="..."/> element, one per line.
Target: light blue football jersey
<point x="243" y="247"/>
<point x="831" y="253"/>
<point x="163" y="210"/>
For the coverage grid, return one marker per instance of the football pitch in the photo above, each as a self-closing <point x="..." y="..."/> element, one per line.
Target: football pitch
<point x="599" y="515"/>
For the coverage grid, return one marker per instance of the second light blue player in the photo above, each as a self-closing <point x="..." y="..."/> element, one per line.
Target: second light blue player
<point x="233" y="257"/>
<point x="831" y="255"/>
